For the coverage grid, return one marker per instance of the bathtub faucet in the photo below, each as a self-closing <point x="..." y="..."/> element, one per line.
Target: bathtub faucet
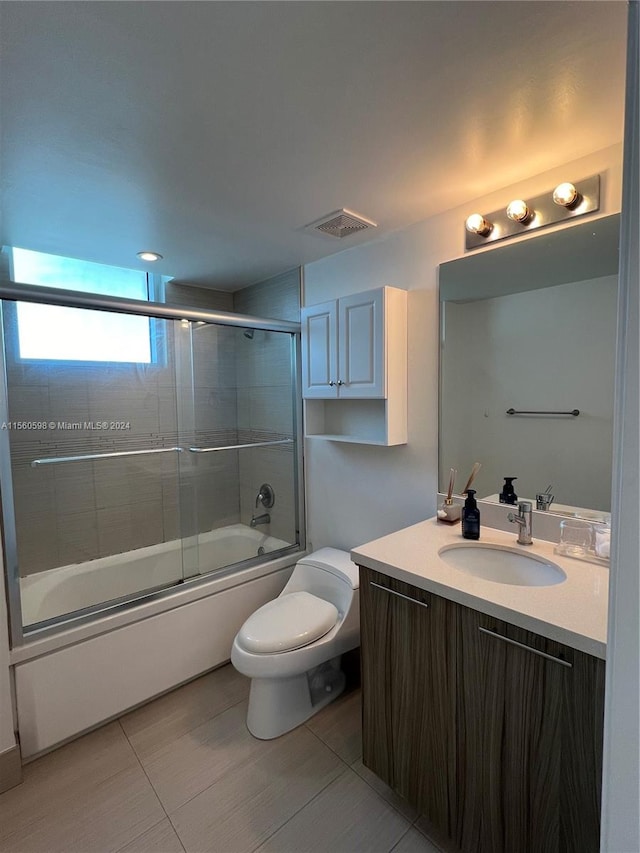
<point x="265" y="518"/>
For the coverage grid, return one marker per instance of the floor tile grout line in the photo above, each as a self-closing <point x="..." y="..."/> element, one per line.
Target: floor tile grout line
<point x="428" y="837"/>
<point x="175" y="829"/>
<point x="247" y="760"/>
<point x="142" y="767"/>
<point x="410" y="822"/>
<point x="154" y="754"/>
<point x="135" y="838"/>
<point x="408" y="829"/>
<point x="329" y="747"/>
<point x="308" y="803"/>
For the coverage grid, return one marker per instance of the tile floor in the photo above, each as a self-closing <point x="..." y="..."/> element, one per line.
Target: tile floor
<point x="183" y="774"/>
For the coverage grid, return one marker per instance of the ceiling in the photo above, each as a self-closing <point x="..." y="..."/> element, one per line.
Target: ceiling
<point x="213" y="132"/>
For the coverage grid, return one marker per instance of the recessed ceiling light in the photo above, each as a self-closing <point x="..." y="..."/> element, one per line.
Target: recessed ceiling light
<point x="149" y="256"/>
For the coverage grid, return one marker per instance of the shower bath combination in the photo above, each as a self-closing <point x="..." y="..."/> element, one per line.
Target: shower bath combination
<point x="129" y="514"/>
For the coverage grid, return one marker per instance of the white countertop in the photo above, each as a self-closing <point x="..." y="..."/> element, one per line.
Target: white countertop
<point x="573" y="612"/>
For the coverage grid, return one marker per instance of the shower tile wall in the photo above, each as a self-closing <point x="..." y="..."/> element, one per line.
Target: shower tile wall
<point x="80" y="511"/>
<point x="265" y="400"/>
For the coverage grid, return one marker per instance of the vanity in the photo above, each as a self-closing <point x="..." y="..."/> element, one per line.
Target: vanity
<point x="483" y="663"/>
<point x="483" y="700"/>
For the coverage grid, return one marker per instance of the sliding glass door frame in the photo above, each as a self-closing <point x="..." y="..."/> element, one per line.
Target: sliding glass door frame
<point x="53" y="296"/>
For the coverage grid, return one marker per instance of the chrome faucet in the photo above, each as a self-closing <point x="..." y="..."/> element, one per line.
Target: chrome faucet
<point x="544" y="499"/>
<point x="265" y="518"/>
<point x="523" y="520"/>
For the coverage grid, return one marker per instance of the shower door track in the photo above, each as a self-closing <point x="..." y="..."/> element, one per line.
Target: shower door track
<point x="159" y="310"/>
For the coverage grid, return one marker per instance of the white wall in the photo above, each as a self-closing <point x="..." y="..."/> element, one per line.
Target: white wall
<point x="358" y="493"/>
<point x="621" y="783"/>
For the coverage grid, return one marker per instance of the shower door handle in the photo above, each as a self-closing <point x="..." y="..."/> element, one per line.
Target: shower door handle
<point x="50" y="460"/>
<point x="240" y="446"/>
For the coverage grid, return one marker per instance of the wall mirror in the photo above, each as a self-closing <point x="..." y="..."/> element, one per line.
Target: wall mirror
<point x="531" y="329"/>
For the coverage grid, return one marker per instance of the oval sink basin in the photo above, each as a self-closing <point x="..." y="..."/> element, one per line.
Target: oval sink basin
<point x="501" y="564"/>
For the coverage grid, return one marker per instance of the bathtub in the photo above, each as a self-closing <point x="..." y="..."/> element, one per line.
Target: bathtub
<point x="66" y="589"/>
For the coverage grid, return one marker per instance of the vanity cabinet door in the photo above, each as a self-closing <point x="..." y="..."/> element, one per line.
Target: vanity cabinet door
<point x="408" y="685"/>
<point x="529" y="741"/>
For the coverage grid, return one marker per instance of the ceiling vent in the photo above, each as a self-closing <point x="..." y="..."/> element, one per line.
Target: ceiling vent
<point x="341" y="223"/>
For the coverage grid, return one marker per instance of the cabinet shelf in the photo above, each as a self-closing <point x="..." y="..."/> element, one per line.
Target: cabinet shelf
<point x="355" y="421"/>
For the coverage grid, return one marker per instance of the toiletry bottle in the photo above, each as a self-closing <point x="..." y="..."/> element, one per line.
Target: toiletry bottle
<point x="508" y="495"/>
<point x="471" y="516"/>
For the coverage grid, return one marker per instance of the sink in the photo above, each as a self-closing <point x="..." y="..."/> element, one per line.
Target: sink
<point x="501" y="564"/>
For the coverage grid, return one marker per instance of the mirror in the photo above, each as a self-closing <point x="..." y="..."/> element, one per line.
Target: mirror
<point x="531" y="328"/>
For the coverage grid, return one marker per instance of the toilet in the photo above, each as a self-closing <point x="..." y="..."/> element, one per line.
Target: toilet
<point x="290" y="647"/>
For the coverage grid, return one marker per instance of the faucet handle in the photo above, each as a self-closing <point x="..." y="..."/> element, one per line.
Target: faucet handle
<point x="524" y="506"/>
<point x="266" y="496"/>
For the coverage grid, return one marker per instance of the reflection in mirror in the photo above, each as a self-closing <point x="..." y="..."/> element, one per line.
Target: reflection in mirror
<point x="532" y="327"/>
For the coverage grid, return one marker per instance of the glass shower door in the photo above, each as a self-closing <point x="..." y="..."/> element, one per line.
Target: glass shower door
<point x="94" y="460"/>
<point x="244" y="444"/>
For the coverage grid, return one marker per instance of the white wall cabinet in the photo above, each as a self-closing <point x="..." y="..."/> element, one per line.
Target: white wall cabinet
<point x="354" y="368"/>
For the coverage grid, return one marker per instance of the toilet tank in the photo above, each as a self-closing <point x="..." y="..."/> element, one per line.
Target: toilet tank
<point x="328" y="573"/>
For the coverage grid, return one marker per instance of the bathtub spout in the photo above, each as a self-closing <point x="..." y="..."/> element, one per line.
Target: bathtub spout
<point x="265" y="518"/>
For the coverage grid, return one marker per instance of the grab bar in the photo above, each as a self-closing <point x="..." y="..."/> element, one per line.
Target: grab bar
<point x="573" y="412"/>
<point x="55" y="459"/>
<point x="240" y="446"/>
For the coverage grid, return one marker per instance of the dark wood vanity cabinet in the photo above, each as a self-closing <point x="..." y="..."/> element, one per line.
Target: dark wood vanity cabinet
<point x="493" y="732"/>
<point x="409" y="691"/>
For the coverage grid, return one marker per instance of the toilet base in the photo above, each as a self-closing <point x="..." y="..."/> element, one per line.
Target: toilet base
<point x="277" y="705"/>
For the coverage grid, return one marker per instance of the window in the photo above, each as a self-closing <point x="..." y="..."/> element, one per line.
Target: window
<point x="52" y="332"/>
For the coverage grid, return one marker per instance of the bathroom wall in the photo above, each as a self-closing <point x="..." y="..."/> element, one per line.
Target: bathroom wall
<point x="358" y="493"/>
<point x="265" y="402"/>
<point x="184" y="294"/>
<point x="502" y="353"/>
<point x="277" y="297"/>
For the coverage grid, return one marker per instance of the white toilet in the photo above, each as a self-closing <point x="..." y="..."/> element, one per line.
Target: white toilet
<point x="291" y="647"/>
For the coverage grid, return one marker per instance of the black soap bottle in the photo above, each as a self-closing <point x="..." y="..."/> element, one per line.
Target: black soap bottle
<point x="471" y="517"/>
<point x="508" y="495"/>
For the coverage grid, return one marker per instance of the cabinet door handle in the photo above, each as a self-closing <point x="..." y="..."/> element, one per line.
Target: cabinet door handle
<point x="340" y="382"/>
<point x="331" y="383"/>
<point x="399" y="594"/>
<point x="525" y="647"/>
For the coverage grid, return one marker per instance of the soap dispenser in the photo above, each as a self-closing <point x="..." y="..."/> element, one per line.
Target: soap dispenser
<point x="471" y="516"/>
<point x="508" y="495"/>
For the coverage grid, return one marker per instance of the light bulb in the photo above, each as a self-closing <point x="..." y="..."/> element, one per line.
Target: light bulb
<point x="477" y="224"/>
<point x="149" y="256"/>
<point x="566" y="195"/>
<point x="518" y="211"/>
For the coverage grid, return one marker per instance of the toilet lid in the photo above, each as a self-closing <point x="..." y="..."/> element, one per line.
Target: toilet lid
<point x="288" y="622"/>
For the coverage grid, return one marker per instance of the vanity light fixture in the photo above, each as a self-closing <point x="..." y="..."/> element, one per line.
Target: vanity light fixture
<point x="149" y="256"/>
<point x="519" y="211"/>
<point x="477" y="224"/>
<point x="566" y="195"/>
<point x="566" y="201"/>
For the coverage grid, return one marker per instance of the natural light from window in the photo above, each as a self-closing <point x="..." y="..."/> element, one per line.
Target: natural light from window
<point x="76" y="334"/>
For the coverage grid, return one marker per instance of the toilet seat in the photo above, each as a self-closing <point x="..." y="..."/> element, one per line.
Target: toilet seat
<point x="288" y="622"/>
